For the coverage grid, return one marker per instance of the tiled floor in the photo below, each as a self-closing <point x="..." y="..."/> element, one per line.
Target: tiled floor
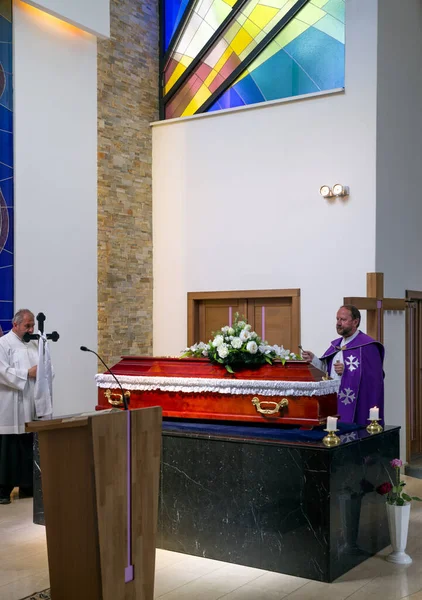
<point x="23" y="569"/>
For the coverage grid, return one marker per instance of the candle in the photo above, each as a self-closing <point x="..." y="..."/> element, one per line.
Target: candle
<point x="374" y="414"/>
<point x="331" y="423"/>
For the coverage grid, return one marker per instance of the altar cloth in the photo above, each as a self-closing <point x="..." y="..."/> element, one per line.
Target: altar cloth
<point x="348" y="432"/>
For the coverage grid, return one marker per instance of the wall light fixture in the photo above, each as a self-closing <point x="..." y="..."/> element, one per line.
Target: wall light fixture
<point x="326" y="191"/>
<point x="340" y="190"/>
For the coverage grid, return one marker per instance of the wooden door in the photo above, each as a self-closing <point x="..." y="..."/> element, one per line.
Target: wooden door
<point x="214" y="314"/>
<point x="414" y="374"/>
<point x="272" y="319"/>
<point x="273" y="314"/>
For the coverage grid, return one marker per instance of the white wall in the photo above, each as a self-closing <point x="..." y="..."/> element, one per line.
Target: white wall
<point x="90" y="15"/>
<point x="395" y="374"/>
<point x="236" y="203"/>
<point x="55" y="97"/>
<point x="399" y="159"/>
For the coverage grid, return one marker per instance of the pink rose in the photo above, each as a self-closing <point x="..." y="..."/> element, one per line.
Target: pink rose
<point x="396" y="463"/>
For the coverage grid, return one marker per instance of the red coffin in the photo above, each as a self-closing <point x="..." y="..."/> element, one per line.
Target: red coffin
<point x="225" y="404"/>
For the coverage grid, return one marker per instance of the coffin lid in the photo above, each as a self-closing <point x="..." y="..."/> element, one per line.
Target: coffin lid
<point x="147" y="366"/>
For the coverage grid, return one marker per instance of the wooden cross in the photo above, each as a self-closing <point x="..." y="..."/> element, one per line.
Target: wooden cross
<point x="375" y="304"/>
<point x="54" y="336"/>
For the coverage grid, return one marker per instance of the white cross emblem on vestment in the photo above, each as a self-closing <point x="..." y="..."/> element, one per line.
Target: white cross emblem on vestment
<point x="347" y="396"/>
<point x="352" y="363"/>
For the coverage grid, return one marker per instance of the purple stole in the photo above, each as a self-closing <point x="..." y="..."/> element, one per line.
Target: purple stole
<point x="355" y="362"/>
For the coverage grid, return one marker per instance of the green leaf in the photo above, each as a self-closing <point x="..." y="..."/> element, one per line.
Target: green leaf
<point x="406" y="497"/>
<point x="229" y="369"/>
<point x="417" y="498"/>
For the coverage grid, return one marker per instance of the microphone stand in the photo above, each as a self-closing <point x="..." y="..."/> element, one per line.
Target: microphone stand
<point x="85" y="349"/>
<point x="129" y="575"/>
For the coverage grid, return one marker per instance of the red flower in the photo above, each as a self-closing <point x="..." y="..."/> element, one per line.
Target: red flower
<point x="384" y="488"/>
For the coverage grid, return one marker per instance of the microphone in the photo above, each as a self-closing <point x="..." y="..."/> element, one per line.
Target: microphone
<point x="85" y="349"/>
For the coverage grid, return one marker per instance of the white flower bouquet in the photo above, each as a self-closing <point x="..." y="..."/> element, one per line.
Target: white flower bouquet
<point x="237" y="345"/>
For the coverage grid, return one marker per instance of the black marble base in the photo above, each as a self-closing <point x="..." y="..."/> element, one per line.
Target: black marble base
<point x="292" y="507"/>
<point x="270" y="498"/>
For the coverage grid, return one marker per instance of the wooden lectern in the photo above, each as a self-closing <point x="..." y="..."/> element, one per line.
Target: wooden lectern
<point x="100" y="479"/>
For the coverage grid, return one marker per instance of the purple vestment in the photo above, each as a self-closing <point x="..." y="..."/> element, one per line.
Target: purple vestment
<point x="362" y="382"/>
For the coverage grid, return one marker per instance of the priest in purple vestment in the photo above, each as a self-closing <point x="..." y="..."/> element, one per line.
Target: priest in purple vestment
<point x="356" y="359"/>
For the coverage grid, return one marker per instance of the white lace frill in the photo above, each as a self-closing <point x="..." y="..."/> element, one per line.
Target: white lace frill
<point x="189" y="385"/>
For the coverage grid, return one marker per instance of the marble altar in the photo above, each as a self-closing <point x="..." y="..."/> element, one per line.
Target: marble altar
<point x="279" y="500"/>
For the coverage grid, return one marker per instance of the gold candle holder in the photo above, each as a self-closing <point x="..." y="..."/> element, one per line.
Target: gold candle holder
<point x="374" y="426"/>
<point x="331" y="439"/>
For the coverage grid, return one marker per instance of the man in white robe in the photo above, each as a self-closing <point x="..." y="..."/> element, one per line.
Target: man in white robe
<point x="18" y="370"/>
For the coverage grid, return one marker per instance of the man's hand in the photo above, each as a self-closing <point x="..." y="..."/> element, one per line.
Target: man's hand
<point x="32" y="372"/>
<point x="338" y="367"/>
<point x="307" y="356"/>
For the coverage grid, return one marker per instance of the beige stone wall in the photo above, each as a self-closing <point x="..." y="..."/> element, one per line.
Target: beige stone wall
<point x="127" y="103"/>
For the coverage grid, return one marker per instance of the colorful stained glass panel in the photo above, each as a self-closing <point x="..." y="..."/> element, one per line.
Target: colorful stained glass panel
<point x="6" y="168"/>
<point x="305" y="56"/>
<point x="227" y="54"/>
<point x="300" y="60"/>
<point x="173" y="13"/>
<point x="205" y="19"/>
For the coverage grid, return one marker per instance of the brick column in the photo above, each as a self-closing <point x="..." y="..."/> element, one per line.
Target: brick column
<point x="127" y="103"/>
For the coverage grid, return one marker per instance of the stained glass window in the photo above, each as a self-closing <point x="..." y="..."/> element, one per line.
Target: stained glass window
<point x="257" y="51"/>
<point x="205" y="18"/>
<point x="6" y="167"/>
<point x="173" y="14"/>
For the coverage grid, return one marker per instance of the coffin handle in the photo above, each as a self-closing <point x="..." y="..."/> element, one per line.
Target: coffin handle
<point x="119" y="402"/>
<point x="269" y="411"/>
